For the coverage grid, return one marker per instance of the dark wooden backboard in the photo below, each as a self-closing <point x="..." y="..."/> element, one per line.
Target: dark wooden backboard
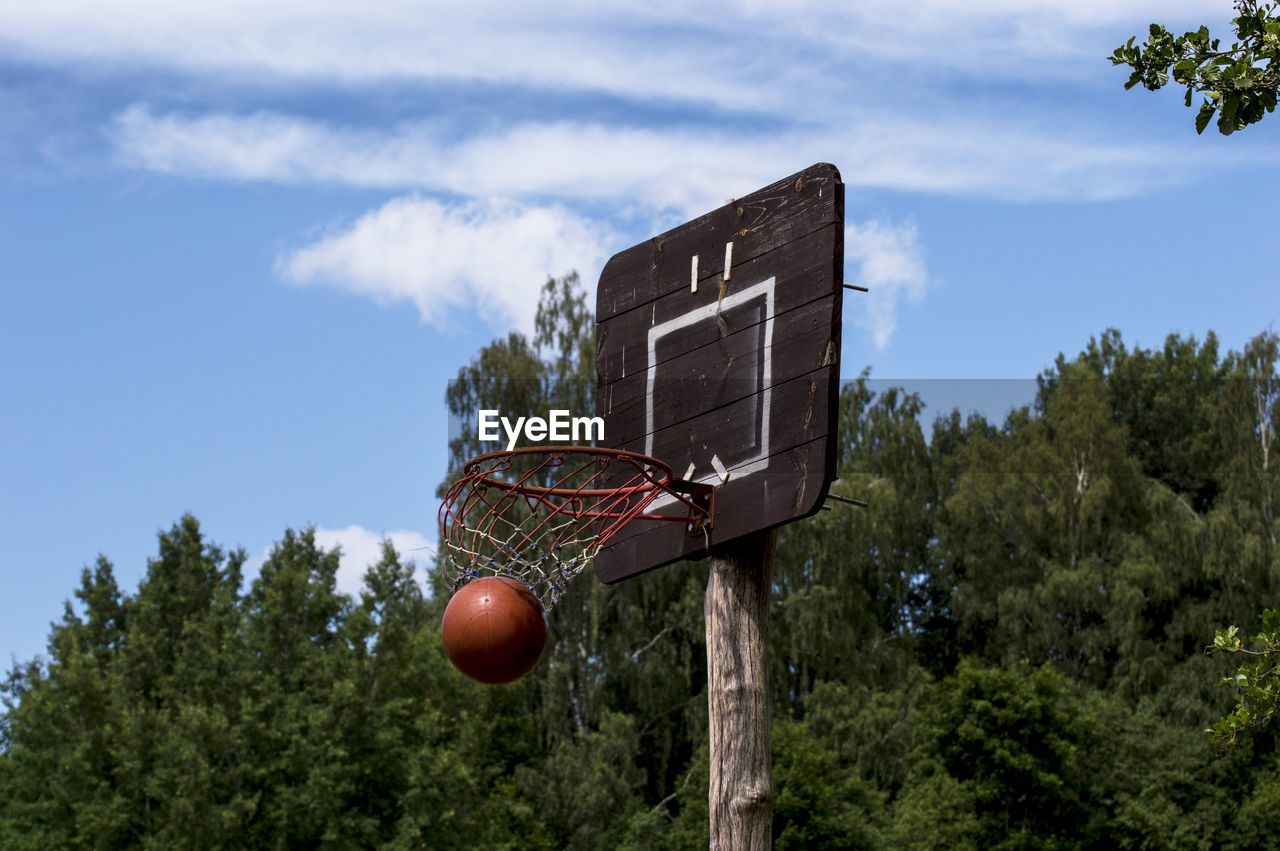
<point x="704" y="367"/>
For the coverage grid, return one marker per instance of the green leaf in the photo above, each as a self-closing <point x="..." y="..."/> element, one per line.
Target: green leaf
<point x="1227" y="120"/>
<point x="1205" y="116"/>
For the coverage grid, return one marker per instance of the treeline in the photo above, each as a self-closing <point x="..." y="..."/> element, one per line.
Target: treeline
<point x="1005" y="650"/>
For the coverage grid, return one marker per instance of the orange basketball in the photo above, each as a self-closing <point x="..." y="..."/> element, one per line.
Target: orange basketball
<point x="494" y="630"/>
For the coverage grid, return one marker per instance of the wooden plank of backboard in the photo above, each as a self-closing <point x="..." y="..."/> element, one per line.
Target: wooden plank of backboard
<point x="780" y="213"/>
<point x="798" y="409"/>
<point x="803" y="271"/>
<point x="685" y="386"/>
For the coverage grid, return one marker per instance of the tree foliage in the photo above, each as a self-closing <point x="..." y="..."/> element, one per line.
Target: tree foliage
<point x="1256" y="682"/>
<point x="1004" y="650"/>
<point x="1239" y="83"/>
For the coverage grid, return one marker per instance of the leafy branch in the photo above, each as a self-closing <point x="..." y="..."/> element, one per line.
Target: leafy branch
<point x="1257" y="682"/>
<point x="1239" y="83"/>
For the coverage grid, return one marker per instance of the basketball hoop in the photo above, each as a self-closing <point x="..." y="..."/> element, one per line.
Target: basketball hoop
<point x="539" y="515"/>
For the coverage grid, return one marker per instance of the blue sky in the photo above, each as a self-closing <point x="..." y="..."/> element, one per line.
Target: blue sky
<point x="243" y="246"/>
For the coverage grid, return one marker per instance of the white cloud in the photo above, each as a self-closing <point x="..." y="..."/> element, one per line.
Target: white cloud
<point x="1046" y="39"/>
<point x="710" y="51"/>
<point x="262" y="146"/>
<point x="922" y="101"/>
<point x="276" y="148"/>
<point x="890" y="262"/>
<point x="650" y="167"/>
<point x="491" y="255"/>
<point x="684" y="170"/>
<point x="487" y="256"/>
<point x="573" y="45"/>
<point x="361" y="549"/>
<point x="883" y="94"/>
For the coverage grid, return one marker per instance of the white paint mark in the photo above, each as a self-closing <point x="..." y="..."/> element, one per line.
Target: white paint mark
<point x="693" y="274"/>
<point x="719" y="465"/>
<point x="688" y="474"/>
<point x="763" y="290"/>
<point x="728" y="259"/>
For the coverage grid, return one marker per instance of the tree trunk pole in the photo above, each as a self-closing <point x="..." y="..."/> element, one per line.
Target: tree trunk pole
<point x="738" y="698"/>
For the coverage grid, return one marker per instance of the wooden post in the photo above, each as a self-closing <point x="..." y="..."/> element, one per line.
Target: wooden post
<point x="738" y="698"/>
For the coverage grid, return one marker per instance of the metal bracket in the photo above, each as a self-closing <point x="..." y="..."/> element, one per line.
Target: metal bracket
<point x="702" y="499"/>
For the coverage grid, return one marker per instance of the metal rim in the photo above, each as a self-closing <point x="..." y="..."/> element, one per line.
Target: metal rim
<point x="637" y="459"/>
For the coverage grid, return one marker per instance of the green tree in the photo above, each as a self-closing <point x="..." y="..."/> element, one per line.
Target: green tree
<point x="1256" y="682"/>
<point x="303" y="700"/>
<point x="56" y="734"/>
<point x="1246" y="526"/>
<point x="1004" y="648"/>
<point x="820" y="800"/>
<point x="1037" y="532"/>
<point x="1239" y="83"/>
<point x="999" y="765"/>
<point x="1165" y="400"/>
<point x="847" y="582"/>
<point x="129" y="733"/>
<point x="191" y="715"/>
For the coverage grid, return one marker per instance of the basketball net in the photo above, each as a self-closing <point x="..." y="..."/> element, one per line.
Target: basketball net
<point x="540" y="515"/>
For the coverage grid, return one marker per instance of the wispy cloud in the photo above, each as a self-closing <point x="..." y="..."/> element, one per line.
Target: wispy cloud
<point x="889" y="261"/>
<point x="686" y="170"/>
<point x="488" y="256"/>
<point x="445" y="257"/>
<point x="664" y="49"/>
<point x="1010" y="39"/>
<point x="653" y="167"/>
<point x="945" y="100"/>
<point x="574" y="45"/>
